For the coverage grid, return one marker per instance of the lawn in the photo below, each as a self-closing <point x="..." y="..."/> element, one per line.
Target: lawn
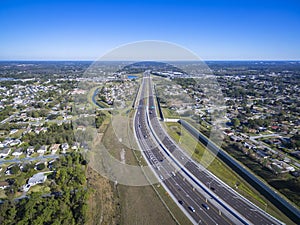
<point x="170" y="114"/>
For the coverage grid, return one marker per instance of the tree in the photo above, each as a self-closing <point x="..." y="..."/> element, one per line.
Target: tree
<point x="236" y="122"/>
<point x="15" y="169"/>
<point x="41" y="166"/>
<point x="69" y="208"/>
<point x="7" y="213"/>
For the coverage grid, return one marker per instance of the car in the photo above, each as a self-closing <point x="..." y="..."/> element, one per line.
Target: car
<point x="205" y="206"/>
<point x="191" y="208"/>
<point x="180" y="202"/>
<point x="212" y="188"/>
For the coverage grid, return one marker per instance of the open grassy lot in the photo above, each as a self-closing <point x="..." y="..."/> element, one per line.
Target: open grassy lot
<point x="122" y="204"/>
<point x="138" y="205"/>
<point x="102" y="204"/>
<point x="170" y="114"/>
<point x="146" y="204"/>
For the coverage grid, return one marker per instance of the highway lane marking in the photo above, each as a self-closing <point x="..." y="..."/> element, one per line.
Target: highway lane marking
<point x="170" y="142"/>
<point x="185" y="183"/>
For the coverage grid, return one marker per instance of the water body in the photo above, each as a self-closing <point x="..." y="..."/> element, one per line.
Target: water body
<point x="94" y="96"/>
<point x="132" y="77"/>
<point x="7" y="79"/>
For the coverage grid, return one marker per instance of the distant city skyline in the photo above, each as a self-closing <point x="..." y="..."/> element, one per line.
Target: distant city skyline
<point x="86" y="30"/>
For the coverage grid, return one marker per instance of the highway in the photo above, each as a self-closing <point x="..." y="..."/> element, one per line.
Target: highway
<point x="202" y="197"/>
<point x="176" y="184"/>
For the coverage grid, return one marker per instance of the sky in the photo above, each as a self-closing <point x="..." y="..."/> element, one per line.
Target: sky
<point x="213" y="29"/>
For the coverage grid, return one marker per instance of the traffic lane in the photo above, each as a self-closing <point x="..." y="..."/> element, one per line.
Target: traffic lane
<point x="200" y="199"/>
<point x="169" y="143"/>
<point x="143" y="143"/>
<point x="238" y="204"/>
<point x="195" y="199"/>
<point x="187" y="201"/>
<point x="251" y="214"/>
<point x="193" y="193"/>
<point x="184" y="186"/>
<point x="189" y="197"/>
<point x="226" y="195"/>
<point x="229" y="196"/>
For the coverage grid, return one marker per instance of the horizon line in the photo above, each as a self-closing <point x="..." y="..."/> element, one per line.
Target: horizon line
<point x="91" y="60"/>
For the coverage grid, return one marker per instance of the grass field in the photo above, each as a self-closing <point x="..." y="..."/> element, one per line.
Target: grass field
<point x="123" y="204"/>
<point x="169" y="114"/>
<point x="102" y="206"/>
<point x="138" y="205"/>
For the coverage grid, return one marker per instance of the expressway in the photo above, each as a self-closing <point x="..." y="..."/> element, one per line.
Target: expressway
<point x="202" y="197"/>
<point x="176" y="183"/>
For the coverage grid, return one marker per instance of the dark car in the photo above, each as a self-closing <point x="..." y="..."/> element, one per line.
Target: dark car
<point x="205" y="206"/>
<point x="180" y="202"/>
<point x="191" y="208"/>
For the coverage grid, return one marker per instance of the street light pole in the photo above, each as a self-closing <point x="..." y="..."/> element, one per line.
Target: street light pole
<point x="266" y="207"/>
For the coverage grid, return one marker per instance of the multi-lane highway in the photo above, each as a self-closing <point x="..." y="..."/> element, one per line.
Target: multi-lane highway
<point x="203" y="197"/>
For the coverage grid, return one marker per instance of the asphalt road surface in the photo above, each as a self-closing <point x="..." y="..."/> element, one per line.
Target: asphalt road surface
<point x="203" y="197"/>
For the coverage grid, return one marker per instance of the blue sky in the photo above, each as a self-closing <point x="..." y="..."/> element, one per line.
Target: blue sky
<point x="213" y="29"/>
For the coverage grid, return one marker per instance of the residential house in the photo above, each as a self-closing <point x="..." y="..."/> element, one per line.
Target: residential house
<point x="3" y="185"/>
<point x="249" y="146"/>
<point x="228" y="132"/>
<point x="13" y="131"/>
<point x="30" y="150"/>
<point x="38" y="178"/>
<point x="65" y="147"/>
<point x="15" y="142"/>
<point x="7" y="142"/>
<point x="42" y="149"/>
<point x="40" y="129"/>
<point x="235" y="138"/>
<point x="75" y="146"/>
<point x="83" y="128"/>
<point x="18" y="152"/>
<point x="261" y="154"/>
<point x="54" y="148"/>
<point x="5" y="152"/>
